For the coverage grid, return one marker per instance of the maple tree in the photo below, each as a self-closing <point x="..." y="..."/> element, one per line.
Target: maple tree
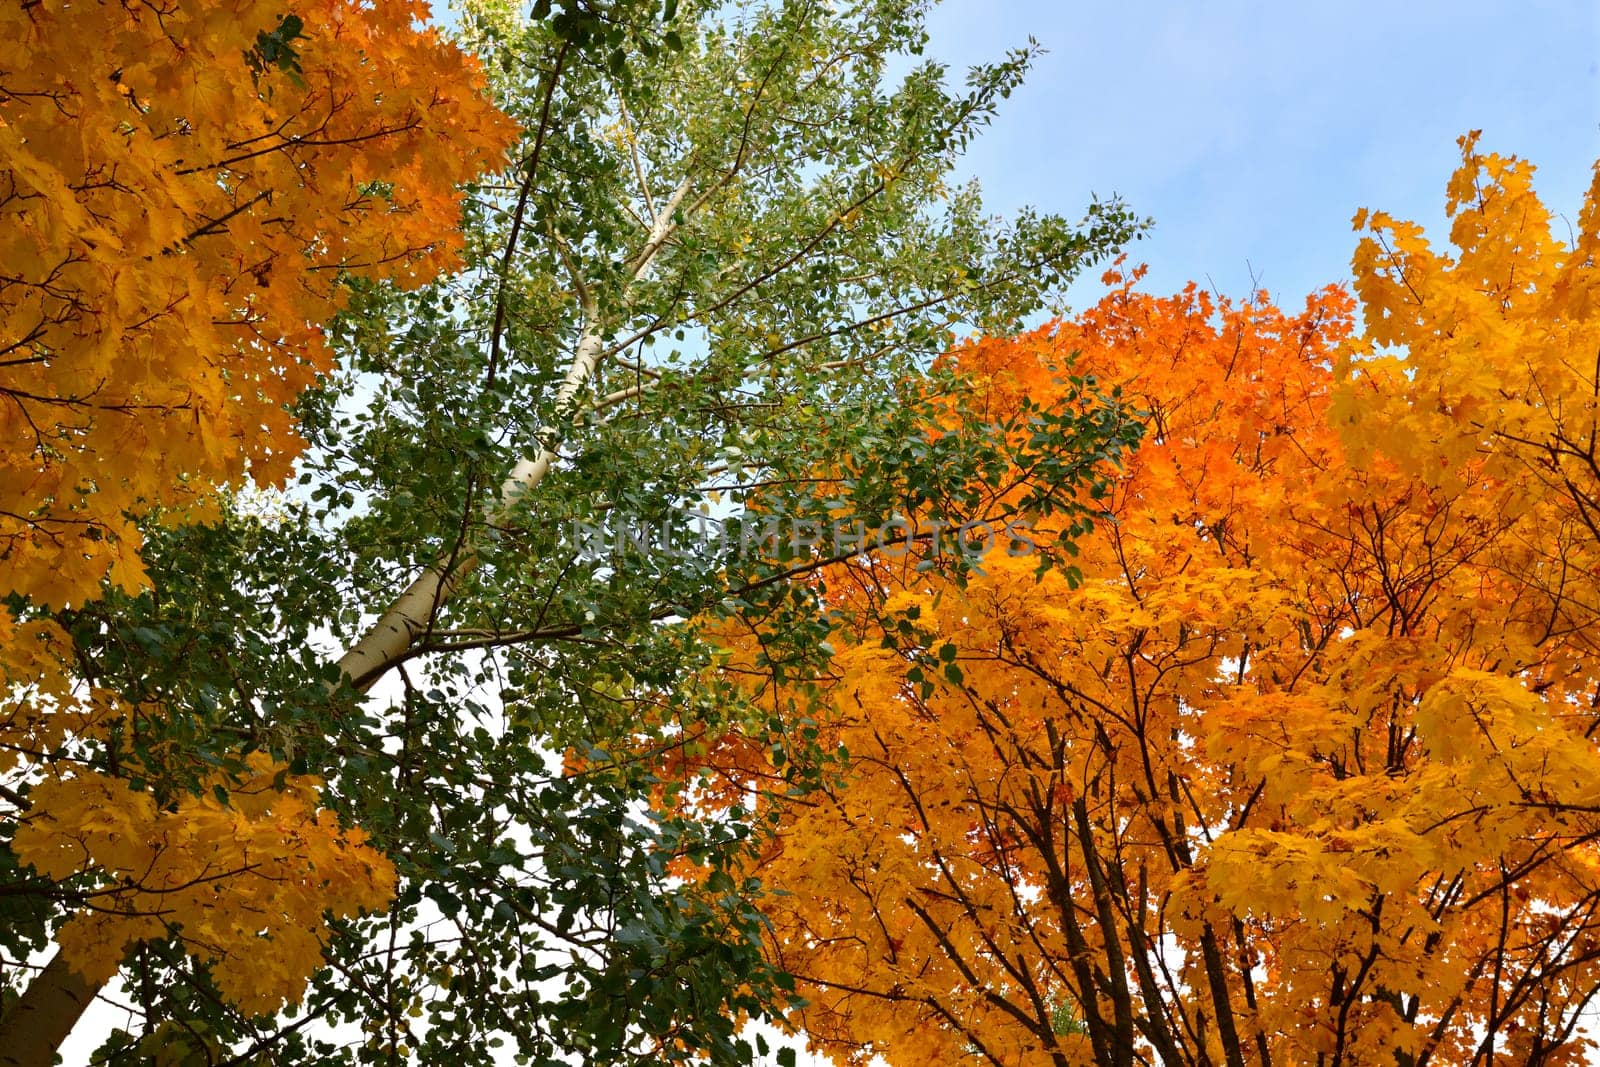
<point x="181" y="200"/>
<point x="1298" y="763"/>
<point x="687" y="284"/>
<point x="186" y="190"/>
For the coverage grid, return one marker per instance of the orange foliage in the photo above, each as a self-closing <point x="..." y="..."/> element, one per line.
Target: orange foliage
<point x="1306" y="770"/>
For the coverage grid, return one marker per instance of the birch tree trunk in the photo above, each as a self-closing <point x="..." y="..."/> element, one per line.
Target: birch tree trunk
<point x="31" y="1031"/>
<point x="386" y="641"/>
<point x="39" y="1022"/>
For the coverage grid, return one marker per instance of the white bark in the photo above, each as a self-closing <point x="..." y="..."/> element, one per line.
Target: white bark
<point x="410" y="616"/>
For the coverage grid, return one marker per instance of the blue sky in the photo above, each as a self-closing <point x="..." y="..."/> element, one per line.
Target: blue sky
<point x="1251" y="132"/>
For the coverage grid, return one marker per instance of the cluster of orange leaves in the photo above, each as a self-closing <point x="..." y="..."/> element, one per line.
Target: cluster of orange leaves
<point x="184" y="187"/>
<point x="1306" y="770"/>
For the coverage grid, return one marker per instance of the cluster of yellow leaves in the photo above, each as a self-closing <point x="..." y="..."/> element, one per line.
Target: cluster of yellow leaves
<point x="174" y="222"/>
<point x="247" y="882"/>
<point x="245" y="873"/>
<point x="1307" y="770"/>
<point x="41" y="705"/>
<point x="184" y="188"/>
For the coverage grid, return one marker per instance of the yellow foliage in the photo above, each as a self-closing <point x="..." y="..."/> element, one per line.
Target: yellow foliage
<point x="174" y="224"/>
<point x="247" y="881"/>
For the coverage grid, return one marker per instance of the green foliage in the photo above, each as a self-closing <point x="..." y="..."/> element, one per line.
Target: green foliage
<point x="275" y="49"/>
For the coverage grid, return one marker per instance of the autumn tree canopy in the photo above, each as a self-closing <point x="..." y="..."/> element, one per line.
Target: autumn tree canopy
<point x="1303" y="769"/>
<point x="686" y="284"/>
